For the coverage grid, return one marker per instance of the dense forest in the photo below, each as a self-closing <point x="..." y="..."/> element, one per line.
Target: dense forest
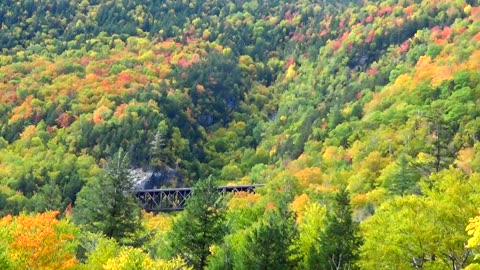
<point x="362" y="119"/>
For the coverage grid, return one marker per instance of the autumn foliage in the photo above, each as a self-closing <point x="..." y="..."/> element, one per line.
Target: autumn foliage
<point x="38" y="242"/>
<point x="380" y="98"/>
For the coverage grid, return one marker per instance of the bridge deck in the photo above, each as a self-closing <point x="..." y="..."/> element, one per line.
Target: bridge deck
<point x="174" y="199"/>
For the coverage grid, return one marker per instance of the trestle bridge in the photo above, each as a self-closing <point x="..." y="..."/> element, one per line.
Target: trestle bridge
<point x="174" y="199"/>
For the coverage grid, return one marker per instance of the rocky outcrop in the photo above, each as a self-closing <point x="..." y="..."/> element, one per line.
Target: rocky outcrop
<point x="148" y="179"/>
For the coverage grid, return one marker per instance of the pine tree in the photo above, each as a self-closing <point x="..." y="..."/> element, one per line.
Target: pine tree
<point x="200" y="226"/>
<point x="107" y="205"/>
<point x="159" y="152"/>
<point x="340" y="241"/>
<point x="442" y="147"/>
<point x="48" y="198"/>
<point x="404" y="178"/>
<point x="268" y="246"/>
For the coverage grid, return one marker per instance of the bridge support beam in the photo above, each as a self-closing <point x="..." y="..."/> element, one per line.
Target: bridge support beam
<point x="174" y="199"/>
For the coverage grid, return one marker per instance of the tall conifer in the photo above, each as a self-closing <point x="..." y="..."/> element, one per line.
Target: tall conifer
<point x="107" y="204"/>
<point x="340" y="241"/>
<point x="200" y="225"/>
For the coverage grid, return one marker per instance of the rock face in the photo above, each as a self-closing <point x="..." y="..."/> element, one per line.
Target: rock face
<point x="166" y="177"/>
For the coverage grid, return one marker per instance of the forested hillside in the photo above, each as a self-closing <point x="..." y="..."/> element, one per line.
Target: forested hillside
<point x="362" y="119"/>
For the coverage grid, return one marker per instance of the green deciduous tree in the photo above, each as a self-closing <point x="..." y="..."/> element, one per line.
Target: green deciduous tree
<point x="423" y="231"/>
<point x="311" y="226"/>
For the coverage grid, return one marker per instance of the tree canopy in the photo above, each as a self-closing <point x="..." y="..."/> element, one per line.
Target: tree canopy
<point x="360" y="117"/>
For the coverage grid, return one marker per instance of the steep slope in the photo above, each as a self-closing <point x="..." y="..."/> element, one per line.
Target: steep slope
<point x="376" y="99"/>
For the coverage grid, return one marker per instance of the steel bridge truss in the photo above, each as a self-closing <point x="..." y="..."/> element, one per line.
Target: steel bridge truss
<point x="174" y="199"/>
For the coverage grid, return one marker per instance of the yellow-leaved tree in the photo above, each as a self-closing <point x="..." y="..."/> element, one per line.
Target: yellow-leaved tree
<point x="473" y="230"/>
<point x="104" y="253"/>
<point x="37" y="242"/>
<point x="134" y="258"/>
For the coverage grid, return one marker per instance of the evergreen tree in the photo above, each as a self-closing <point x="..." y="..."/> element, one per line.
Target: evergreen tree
<point x="158" y="151"/>
<point x="340" y="241"/>
<point x="107" y="204"/>
<point x="403" y="180"/>
<point x="200" y="226"/>
<point x="442" y="147"/>
<point x="268" y="246"/>
<point x="48" y="198"/>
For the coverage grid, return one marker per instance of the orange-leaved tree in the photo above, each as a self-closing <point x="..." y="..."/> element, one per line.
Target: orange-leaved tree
<point x="38" y="242"/>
